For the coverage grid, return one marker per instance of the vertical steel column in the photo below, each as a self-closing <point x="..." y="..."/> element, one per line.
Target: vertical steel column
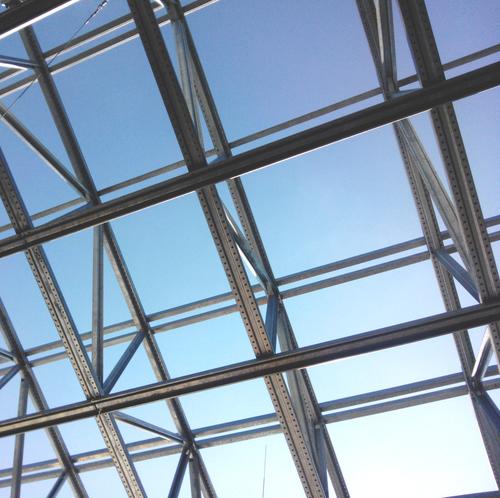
<point x="114" y="253"/>
<point x="302" y="394"/>
<point x="421" y="174"/>
<point x="17" y="464"/>
<point x="65" y="326"/>
<point x="194" y="156"/>
<point x="39" y="401"/>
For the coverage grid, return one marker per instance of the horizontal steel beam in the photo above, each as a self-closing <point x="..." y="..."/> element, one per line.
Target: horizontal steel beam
<point x="226" y="310"/>
<point x="376" y="340"/>
<point x="158" y="447"/>
<point x="191" y="7"/>
<point x="275" y="152"/>
<point x="27" y="13"/>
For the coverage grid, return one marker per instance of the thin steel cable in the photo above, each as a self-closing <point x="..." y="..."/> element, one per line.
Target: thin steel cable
<point x="94" y="13"/>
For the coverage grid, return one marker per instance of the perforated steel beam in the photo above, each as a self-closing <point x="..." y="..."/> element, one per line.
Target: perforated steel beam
<point x="195" y="86"/>
<point x="38" y="399"/>
<point x="430" y="71"/>
<point x="212" y="206"/>
<point x="17" y="464"/>
<point x="425" y="184"/>
<point x="65" y="326"/>
<point x="156" y="447"/>
<point x="144" y="334"/>
<point x="376" y="340"/>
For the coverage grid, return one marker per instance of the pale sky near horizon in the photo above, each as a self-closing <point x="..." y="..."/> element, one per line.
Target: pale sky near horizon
<point x="266" y="62"/>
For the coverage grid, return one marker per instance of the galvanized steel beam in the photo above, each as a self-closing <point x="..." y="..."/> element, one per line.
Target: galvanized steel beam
<point x="430" y="71"/>
<point x="28" y="12"/>
<point x="424" y="181"/>
<point x="155" y="447"/>
<point x="187" y="137"/>
<point x="376" y="340"/>
<point x="17" y="465"/>
<point x="65" y="326"/>
<point x="9" y="374"/>
<point x="266" y="155"/>
<point x="144" y="334"/>
<point x="175" y="488"/>
<point x="38" y="399"/>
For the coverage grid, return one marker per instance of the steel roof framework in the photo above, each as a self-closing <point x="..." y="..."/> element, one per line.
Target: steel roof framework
<point x="279" y="360"/>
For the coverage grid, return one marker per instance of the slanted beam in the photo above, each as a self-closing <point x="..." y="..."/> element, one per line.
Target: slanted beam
<point x="460" y="274"/>
<point x="124" y="360"/>
<point x="6" y="354"/>
<point x="483" y="357"/>
<point x="98" y="303"/>
<point x="27" y="136"/>
<point x="194" y="476"/>
<point x="180" y="471"/>
<point x="15" y="62"/>
<point x="272" y="319"/>
<point x="66" y="328"/>
<point x="146" y="426"/>
<point x="421" y="162"/>
<point x="387" y="49"/>
<point x="38" y="399"/>
<point x="57" y="486"/>
<point x="9" y="375"/>
<point x="247" y="253"/>
<point x="299" y="143"/>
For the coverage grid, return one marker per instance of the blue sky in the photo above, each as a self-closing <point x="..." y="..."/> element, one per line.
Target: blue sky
<point x="266" y="62"/>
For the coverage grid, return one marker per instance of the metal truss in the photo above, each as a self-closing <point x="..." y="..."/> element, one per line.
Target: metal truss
<point x="279" y="360"/>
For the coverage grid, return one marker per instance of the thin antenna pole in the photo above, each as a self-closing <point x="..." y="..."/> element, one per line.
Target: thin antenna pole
<point x="264" y="475"/>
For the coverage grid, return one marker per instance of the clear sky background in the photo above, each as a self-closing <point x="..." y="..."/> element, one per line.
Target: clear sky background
<point x="266" y="62"/>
